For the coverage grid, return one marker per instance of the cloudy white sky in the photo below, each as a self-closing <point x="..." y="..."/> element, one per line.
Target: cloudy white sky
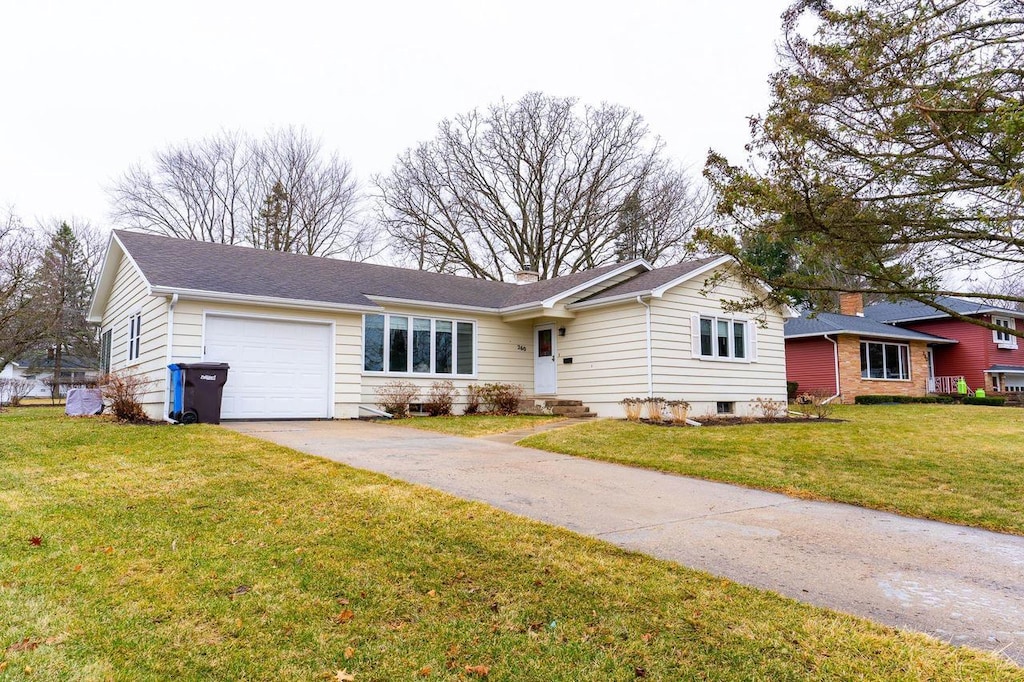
<point x="90" y="87"/>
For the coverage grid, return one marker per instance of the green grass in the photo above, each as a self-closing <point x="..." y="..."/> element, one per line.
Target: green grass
<point x="195" y="553"/>
<point x="477" y="424"/>
<point x="961" y="464"/>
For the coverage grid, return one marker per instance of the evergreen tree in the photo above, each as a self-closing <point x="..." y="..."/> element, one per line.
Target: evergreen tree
<point x="62" y="294"/>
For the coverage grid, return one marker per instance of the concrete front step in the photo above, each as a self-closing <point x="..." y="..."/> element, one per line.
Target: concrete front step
<point x="562" y="408"/>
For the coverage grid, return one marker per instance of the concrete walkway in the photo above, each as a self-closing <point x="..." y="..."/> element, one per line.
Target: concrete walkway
<point x="962" y="585"/>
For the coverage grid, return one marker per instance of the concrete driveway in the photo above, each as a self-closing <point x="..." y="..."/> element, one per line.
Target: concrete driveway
<point x="962" y="585"/>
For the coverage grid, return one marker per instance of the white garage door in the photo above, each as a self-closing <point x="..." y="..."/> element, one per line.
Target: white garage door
<point x="279" y="369"/>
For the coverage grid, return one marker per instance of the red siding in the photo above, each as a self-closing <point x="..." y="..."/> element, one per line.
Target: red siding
<point x="812" y="364"/>
<point x="975" y="353"/>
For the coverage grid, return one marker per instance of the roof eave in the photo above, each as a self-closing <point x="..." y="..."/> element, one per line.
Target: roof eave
<point x="858" y="332"/>
<point x="433" y="304"/>
<point x="659" y="291"/>
<point x="108" y="273"/>
<point x="551" y="301"/>
<point x="226" y="297"/>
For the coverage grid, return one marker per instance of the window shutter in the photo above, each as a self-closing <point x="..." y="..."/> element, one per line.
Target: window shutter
<point x="695" y="335"/>
<point x="752" y="340"/>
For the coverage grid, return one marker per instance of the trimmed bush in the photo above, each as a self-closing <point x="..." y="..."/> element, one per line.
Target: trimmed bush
<point x="394" y="397"/>
<point x="992" y="402"/>
<point x="503" y="398"/>
<point x="474" y="396"/>
<point x="903" y="399"/>
<point x="124" y="391"/>
<point x="440" y="398"/>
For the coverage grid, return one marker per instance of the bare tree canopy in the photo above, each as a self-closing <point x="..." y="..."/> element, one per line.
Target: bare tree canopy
<point x="46" y="280"/>
<point x="20" y="328"/>
<point x="892" y="152"/>
<point x="280" y="192"/>
<point x="536" y="184"/>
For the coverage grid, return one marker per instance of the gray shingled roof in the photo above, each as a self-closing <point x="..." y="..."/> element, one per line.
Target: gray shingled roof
<point x="904" y="311"/>
<point x="831" y="323"/>
<point x="182" y="264"/>
<point x="647" y="281"/>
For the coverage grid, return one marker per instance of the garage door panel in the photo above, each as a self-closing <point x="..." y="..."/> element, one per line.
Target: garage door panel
<point x="279" y="369"/>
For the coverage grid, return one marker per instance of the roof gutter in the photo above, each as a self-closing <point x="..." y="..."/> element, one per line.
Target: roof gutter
<point x="219" y="297"/>
<point x="650" y="358"/>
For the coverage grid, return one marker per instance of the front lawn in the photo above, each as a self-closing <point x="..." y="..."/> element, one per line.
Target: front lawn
<point x="961" y="464"/>
<point x="160" y="552"/>
<point x="472" y="425"/>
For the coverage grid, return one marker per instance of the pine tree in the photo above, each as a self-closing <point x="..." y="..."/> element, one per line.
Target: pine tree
<point x="62" y="294"/>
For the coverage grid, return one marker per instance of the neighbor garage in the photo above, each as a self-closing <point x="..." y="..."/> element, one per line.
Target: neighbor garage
<point x="280" y="369"/>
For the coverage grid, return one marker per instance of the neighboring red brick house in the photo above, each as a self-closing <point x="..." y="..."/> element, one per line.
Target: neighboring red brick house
<point x="985" y="358"/>
<point x="846" y="355"/>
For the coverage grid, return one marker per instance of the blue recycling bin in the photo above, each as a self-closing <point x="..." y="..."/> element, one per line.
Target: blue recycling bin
<point x="177" y="394"/>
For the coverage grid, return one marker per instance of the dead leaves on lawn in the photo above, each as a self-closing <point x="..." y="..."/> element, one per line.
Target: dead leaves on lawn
<point x="31" y="644"/>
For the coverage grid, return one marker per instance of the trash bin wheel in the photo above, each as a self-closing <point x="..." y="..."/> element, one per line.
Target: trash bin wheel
<point x="190" y="417"/>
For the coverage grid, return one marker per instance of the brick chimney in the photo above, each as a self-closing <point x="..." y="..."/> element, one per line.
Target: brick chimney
<point x="851" y="303"/>
<point x="527" y="277"/>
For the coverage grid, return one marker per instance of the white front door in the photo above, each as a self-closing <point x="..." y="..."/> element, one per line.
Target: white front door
<point x="544" y="368"/>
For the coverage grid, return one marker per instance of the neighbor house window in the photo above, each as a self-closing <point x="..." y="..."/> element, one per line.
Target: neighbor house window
<point x="723" y="338"/>
<point x="134" y="336"/>
<point x="1004" y="338"/>
<point x="884" y="360"/>
<point x="105" y="348"/>
<point x="418" y="345"/>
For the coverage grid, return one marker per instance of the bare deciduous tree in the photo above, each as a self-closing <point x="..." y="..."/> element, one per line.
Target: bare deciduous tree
<point x="537" y="184"/>
<point x="281" y="192"/>
<point x="20" y="327"/>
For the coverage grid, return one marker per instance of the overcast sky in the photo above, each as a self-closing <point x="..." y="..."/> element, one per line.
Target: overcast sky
<point x="90" y="87"/>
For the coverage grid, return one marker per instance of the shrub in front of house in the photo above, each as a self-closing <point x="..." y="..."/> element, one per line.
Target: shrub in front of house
<point x="903" y="399"/>
<point x="993" y="402"/>
<point x="503" y="398"/>
<point x="633" y="408"/>
<point x="123" y="391"/>
<point x="440" y="398"/>
<point x="394" y="397"/>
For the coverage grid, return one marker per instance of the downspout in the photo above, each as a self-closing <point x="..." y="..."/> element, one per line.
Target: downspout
<point x="170" y="349"/>
<point x="836" y="355"/>
<point x="650" y="359"/>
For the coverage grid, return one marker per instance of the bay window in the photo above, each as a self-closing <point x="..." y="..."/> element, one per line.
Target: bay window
<point x="404" y="344"/>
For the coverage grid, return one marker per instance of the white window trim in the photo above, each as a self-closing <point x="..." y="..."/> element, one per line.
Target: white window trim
<point x="134" y="338"/>
<point x="910" y="362"/>
<point x="750" y="338"/>
<point x="107" y="350"/>
<point x="433" y="330"/>
<point x="1003" y="339"/>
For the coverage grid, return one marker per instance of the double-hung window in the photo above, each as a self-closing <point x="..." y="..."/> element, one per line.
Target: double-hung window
<point x="407" y="344"/>
<point x="134" y="336"/>
<point x="1004" y="339"/>
<point x="105" y="350"/>
<point x="884" y="360"/>
<point x="723" y="338"/>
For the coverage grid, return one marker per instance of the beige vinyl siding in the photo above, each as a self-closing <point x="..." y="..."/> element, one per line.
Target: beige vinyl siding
<point x="498" y="358"/>
<point x="128" y="296"/>
<point x="188" y="342"/>
<point x="704" y="382"/>
<point x="608" y="347"/>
